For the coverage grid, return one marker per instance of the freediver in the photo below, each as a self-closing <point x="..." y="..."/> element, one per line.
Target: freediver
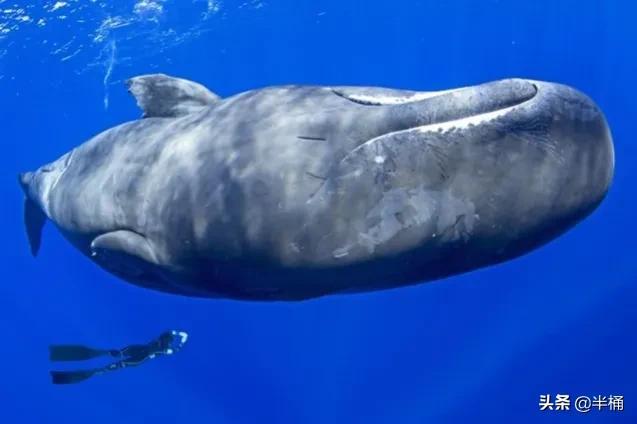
<point x="168" y="343"/>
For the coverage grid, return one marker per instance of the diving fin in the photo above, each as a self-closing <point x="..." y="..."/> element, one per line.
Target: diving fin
<point x="74" y="353"/>
<point x="71" y="377"/>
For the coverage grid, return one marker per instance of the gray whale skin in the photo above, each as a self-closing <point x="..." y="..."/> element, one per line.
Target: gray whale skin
<point x="294" y="192"/>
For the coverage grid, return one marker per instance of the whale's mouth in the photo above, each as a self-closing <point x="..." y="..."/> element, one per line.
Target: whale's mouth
<point x="516" y="90"/>
<point x="448" y="109"/>
<point x="389" y="97"/>
<point x="473" y="120"/>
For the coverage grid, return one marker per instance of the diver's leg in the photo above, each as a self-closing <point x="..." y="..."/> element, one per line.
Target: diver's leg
<point x="72" y="377"/>
<point x="74" y="353"/>
<point x="135" y="351"/>
<point x="134" y="355"/>
<point x="128" y="351"/>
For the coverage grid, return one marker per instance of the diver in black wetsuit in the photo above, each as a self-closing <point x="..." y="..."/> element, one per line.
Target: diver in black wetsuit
<point x="167" y="343"/>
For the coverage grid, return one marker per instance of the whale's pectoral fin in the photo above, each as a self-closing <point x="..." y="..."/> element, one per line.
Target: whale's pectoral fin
<point x="34" y="220"/>
<point x="124" y="253"/>
<point x="162" y="96"/>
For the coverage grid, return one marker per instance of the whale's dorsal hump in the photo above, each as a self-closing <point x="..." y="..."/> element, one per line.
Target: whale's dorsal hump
<point x="163" y="96"/>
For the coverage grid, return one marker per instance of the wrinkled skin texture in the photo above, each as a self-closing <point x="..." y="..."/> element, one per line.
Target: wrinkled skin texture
<point x="290" y="193"/>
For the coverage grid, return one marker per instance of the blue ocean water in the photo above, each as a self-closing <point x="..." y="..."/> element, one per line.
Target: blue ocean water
<point x="480" y="347"/>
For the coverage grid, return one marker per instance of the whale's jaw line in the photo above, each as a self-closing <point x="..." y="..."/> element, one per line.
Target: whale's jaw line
<point x="460" y="122"/>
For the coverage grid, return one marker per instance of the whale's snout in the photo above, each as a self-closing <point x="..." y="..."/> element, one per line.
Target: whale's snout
<point x="581" y="141"/>
<point x="517" y="161"/>
<point x="550" y="163"/>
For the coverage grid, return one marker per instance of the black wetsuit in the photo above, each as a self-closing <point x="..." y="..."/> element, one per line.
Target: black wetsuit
<point x="167" y="343"/>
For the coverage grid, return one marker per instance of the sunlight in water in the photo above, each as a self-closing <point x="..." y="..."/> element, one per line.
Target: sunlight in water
<point x="110" y="64"/>
<point x="104" y="35"/>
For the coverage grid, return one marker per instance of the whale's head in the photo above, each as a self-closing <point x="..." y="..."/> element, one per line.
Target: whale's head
<point x="489" y="171"/>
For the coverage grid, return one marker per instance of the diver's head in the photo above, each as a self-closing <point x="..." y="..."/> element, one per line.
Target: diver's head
<point x="172" y="341"/>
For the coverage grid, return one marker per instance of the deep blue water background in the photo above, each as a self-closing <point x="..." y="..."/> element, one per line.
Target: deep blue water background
<point x="480" y="347"/>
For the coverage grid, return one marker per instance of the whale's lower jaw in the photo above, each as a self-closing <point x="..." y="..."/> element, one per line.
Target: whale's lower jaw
<point x="452" y="125"/>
